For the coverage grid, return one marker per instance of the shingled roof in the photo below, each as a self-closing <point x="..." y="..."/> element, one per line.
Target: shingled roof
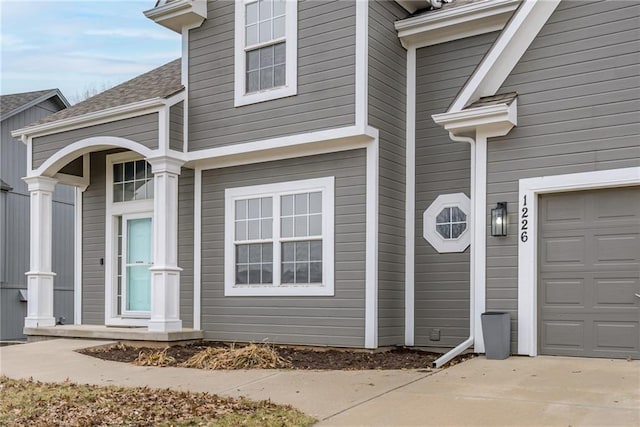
<point x="16" y="102"/>
<point x="161" y="82"/>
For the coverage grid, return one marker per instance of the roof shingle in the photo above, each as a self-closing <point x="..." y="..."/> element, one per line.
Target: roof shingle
<point x="9" y="103"/>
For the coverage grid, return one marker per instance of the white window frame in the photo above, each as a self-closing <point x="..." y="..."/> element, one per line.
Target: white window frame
<point x="429" y="220"/>
<point x="326" y="288"/>
<point x="291" y="44"/>
<point x="113" y="210"/>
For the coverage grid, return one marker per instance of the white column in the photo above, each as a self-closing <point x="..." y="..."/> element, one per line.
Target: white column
<point x="165" y="273"/>
<point x="40" y="277"/>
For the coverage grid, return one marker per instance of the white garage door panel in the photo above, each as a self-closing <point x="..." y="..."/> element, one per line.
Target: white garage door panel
<point x="589" y="273"/>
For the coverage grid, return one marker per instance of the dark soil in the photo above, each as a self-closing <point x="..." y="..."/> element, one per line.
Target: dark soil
<point x="399" y="358"/>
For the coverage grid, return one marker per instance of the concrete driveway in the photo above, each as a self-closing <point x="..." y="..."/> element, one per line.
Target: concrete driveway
<point x="517" y="391"/>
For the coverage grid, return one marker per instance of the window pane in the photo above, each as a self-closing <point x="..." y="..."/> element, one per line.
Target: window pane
<point x="287" y="272"/>
<point x="241" y="209"/>
<point x="457" y="230"/>
<point x="280" y="53"/>
<point x="444" y="230"/>
<point x="118" y="172"/>
<point x="254" y="229"/>
<point x="443" y="216"/>
<point x="266" y="57"/>
<point x="265" y="31"/>
<point x="457" y="215"/>
<point x="286" y="227"/>
<point x="266" y="78"/>
<point x="129" y="190"/>
<point x="146" y="192"/>
<point x="315" y="252"/>
<point x="266" y="207"/>
<point x="267" y="252"/>
<point x="254" y="273"/>
<point x="253" y="81"/>
<point x="288" y="251"/>
<point x="255" y="253"/>
<point x="149" y="171"/>
<point x="278" y="27"/>
<point x="279" y="75"/>
<point x="301" y="204"/>
<point x="265" y="9"/>
<point x="139" y="189"/>
<point x="315" y="202"/>
<point x="315" y="272"/>
<point x="267" y="273"/>
<point x="254" y="208"/>
<point x="242" y="254"/>
<point x="242" y="276"/>
<point x="302" y="273"/>
<point x="241" y="230"/>
<point x="118" y="192"/>
<point x="300" y="226"/>
<point x="286" y="205"/>
<point x="140" y="169"/>
<point x="278" y="7"/>
<point x="252" y="13"/>
<point x="267" y="229"/>
<point x="253" y="60"/>
<point x="315" y="225"/>
<point x="302" y="251"/>
<point x="128" y="171"/>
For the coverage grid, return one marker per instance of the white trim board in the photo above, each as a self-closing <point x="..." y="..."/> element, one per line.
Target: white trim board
<point x="77" y="258"/>
<point x="371" y="263"/>
<point x="529" y="190"/>
<point x="197" y="248"/>
<point x="410" y="202"/>
<point x="362" y="65"/>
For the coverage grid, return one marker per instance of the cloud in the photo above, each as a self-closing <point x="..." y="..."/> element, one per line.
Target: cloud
<point x="10" y="43"/>
<point x="133" y="33"/>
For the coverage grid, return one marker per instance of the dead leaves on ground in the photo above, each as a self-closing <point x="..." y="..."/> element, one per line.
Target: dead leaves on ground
<point x="32" y="403"/>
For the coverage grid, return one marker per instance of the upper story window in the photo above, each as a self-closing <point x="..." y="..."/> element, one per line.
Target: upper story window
<point x="265" y="50"/>
<point x="279" y="239"/>
<point x="132" y="181"/>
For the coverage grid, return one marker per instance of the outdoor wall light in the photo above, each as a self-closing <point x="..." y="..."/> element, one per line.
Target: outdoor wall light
<point x="499" y="220"/>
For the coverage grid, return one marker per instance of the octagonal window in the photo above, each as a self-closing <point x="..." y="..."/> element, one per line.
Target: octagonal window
<point x="451" y="222"/>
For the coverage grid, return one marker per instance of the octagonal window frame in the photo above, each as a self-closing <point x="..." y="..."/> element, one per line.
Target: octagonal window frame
<point x="429" y="223"/>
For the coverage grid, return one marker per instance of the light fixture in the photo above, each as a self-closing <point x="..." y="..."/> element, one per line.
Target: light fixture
<point x="499" y="219"/>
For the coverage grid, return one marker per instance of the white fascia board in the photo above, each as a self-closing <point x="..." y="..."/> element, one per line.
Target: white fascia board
<point x="505" y="53"/>
<point x="179" y="13"/>
<point x="91" y="119"/>
<point x="492" y="120"/>
<point x="456" y="23"/>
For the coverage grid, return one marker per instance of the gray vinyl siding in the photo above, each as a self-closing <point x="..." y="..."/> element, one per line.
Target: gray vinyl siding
<point x="176" y="129"/>
<point x="142" y="129"/>
<point x="93" y="242"/>
<point x="387" y="113"/>
<point x="314" y="320"/>
<point x="578" y="106"/>
<point x="185" y="244"/>
<point x="14" y="220"/>
<point x="326" y="78"/>
<point x="74" y="167"/>
<point x="442" y="167"/>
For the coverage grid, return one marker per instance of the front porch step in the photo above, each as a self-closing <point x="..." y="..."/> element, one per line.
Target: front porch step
<point x="97" y="332"/>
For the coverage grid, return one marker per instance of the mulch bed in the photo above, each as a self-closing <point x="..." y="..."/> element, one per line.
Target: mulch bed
<point x="399" y="358"/>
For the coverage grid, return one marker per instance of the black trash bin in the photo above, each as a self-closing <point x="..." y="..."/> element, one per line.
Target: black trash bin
<point x="496" y="328"/>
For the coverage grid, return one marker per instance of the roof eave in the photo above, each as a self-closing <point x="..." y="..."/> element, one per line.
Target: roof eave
<point x="455" y="23"/>
<point x="178" y="14"/>
<point x="492" y="120"/>
<point x="48" y="95"/>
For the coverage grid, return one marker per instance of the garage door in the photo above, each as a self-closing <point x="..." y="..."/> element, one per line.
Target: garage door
<point x="589" y="273"/>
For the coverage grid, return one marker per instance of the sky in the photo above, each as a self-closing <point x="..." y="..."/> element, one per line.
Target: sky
<point x="79" y="46"/>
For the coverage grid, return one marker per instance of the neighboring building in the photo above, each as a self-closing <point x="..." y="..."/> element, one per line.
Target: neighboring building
<point x="16" y="111"/>
<point x="332" y="173"/>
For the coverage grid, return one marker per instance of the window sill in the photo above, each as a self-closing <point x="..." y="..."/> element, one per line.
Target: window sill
<point x="266" y="95"/>
<point x="288" y="290"/>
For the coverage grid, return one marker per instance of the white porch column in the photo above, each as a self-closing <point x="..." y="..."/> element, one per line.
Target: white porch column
<point x="40" y="277"/>
<point x="165" y="273"/>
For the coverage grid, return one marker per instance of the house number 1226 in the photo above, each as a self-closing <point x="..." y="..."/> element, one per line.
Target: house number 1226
<point x="524" y="221"/>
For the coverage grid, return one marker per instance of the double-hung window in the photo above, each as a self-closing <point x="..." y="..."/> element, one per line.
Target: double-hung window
<point x="279" y="239"/>
<point x="265" y="50"/>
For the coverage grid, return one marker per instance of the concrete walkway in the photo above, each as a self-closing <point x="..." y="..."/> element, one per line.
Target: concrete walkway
<point x="518" y="391"/>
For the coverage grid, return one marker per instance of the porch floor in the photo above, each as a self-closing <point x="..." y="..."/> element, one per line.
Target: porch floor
<point x="100" y="332"/>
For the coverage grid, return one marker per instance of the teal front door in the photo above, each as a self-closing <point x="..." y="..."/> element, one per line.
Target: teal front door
<point x="137" y="260"/>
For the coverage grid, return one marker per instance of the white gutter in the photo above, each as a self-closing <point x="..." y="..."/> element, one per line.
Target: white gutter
<point x="469" y="341"/>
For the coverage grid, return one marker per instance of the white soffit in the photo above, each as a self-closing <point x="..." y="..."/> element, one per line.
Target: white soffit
<point x="455" y="23"/>
<point x="176" y="14"/>
<point x="494" y="120"/>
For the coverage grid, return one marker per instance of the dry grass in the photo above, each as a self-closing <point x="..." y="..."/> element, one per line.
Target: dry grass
<point x="252" y="356"/>
<point x="155" y="358"/>
<point x="33" y="403"/>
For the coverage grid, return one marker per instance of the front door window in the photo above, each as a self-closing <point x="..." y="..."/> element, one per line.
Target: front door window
<point x="137" y="260"/>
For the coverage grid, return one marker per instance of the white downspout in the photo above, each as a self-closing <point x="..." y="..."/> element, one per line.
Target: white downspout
<point x="472" y="267"/>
